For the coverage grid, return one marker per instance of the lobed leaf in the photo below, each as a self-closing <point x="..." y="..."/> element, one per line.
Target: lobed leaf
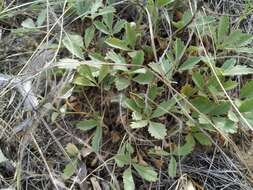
<point x="146" y="172"/>
<point x="128" y="180"/>
<point x="74" y="43"/>
<point x="157" y="130"/>
<point x="247" y="90"/>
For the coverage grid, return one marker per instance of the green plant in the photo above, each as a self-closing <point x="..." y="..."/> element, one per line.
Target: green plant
<point x="200" y="104"/>
<point x="87" y="125"/>
<point x="124" y="158"/>
<point x="71" y="167"/>
<point x="128" y="93"/>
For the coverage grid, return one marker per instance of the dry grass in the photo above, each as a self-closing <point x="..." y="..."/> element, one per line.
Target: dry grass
<point x="34" y="142"/>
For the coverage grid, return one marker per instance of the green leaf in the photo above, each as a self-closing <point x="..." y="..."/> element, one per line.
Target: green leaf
<point x="136" y="116"/>
<point x="187" y="17"/>
<point x="85" y="71"/>
<point x="146" y="172"/>
<point x="237" y="39"/>
<point x="122" y="83"/>
<point x="140" y="102"/>
<point x="213" y="85"/>
<point x="122" y="159"/>
<point x="238" y="70"/>
<point x="131" y="34"/>
<point x="172" y="170"/>
<point x="202" y="138"/>
<point x="203" y="23"/>
<point x="102" y="27"/>
<point x="145" y="78"/>
<point x="69" y="169"/>
<point x="157" y="68"/>
<point x="154" y="91"/>
<point x="137" y="57"/>
<point x="96" y="140"/>
<point x="247" y="105"/>
<point x="178" y="48"/>
<point x="225" y="124"/>
<point x="89" y="35"/>
<point x="138" y="71"/>
<point x="87" y="124"/>
<point x="131" y="104"/>
<point x="198" y="80"/>
<point x="190" y="63"/>
<point x="74" y="43"/>
<point x="97" y="57"/>
<point x="223" y="28"/>
<point x="249" y="117"/>
<point x="164" y="108"/>
<point x="232" y="116"/>
<point x="81" y="7"/>
<point x="162" y="3"/>
<point x="95" y="5"/>
<point x="128" y="179"/>
<point x="167" y="67"/>
<point x="247" y="90"/>
<point x="129" y="148"/>
<point x="118" y="59"/>
<point x="229" y="64"/>
<point x="103" y="72"/>
<point x="187" y="148"/>
<point x="220" y="108"/>
<point x="28" y="23"/>
<point x="187" y="90"/>
<point x="167" y="63"/>
<point x="138" y="124"/>
<point x="108" y="20"/>
<point x="157" y="130"/>
<point x="72" y="150"/>
<point x="83" y="81"/>
<point x="41" y="17"/>
<point x="119" y="26"/>
<point x="203" y="104"/>
<point x="105" y="10"/>
<point x="117" y="43"/>
<point x="230" y="85"/>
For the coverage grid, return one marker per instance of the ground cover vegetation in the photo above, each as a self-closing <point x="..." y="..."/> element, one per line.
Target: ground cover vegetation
<point x="134" y="94"/>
